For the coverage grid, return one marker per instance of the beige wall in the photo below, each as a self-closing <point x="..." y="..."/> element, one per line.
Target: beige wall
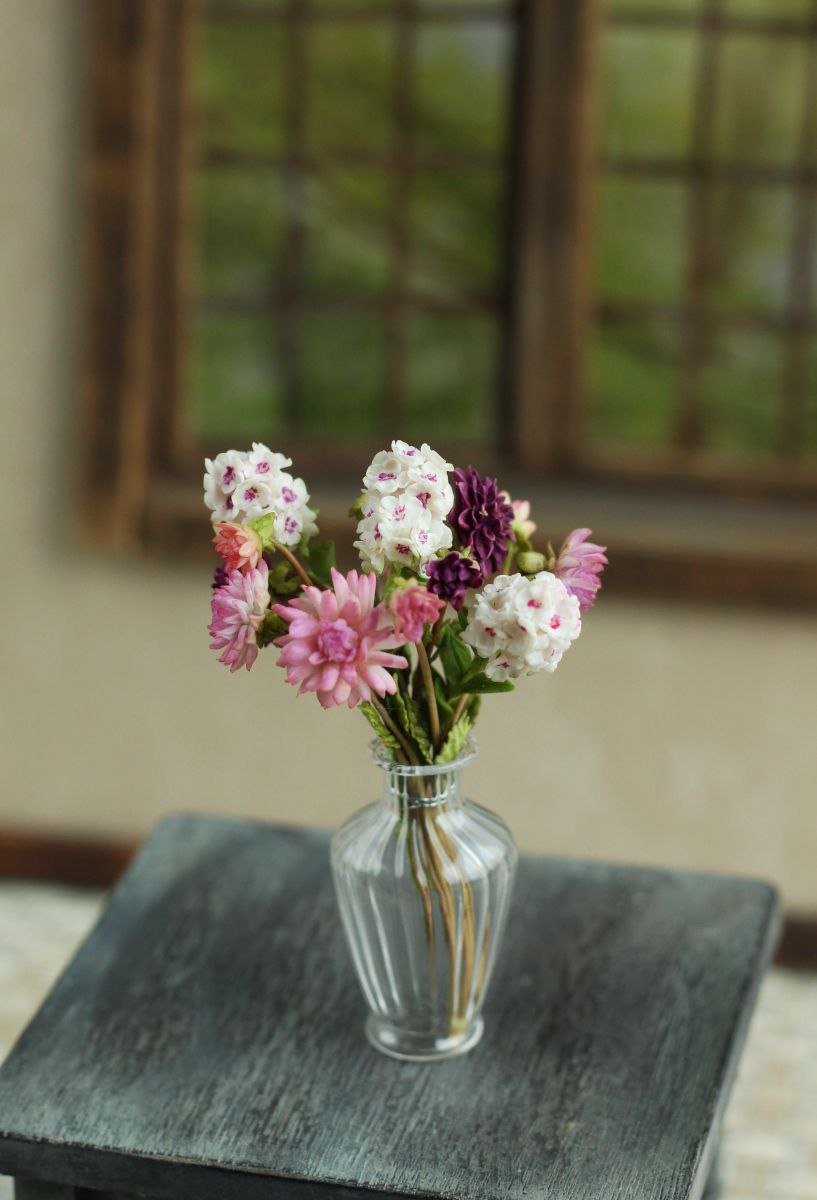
<point x="669" y="735"/>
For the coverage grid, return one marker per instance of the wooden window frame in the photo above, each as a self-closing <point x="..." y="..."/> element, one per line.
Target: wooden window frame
<point x="660" y="523"/>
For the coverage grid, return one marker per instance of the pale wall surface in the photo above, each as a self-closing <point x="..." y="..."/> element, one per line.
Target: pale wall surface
<point x="669" y="735"/>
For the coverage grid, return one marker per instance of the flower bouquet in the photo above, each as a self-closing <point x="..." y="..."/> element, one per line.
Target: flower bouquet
<point x="455" y="601"/>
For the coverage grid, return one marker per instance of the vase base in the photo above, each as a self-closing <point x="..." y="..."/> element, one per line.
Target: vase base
<point x="418" y="1047"/>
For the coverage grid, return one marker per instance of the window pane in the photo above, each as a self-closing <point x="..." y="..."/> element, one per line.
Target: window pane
<point x="647" y="92"/>
<point x="453" y="367"/>
<point x="341" y="365"/>
<point x="683" y="7"/>
<point x="751" y="247"/>
<point x="347" y="244"/>
<point x="462" y="80"/>
<point x="238" y="84"/>
<point x="633" y="384"/>
<point x="760" y="101"/>
<point x="234" y="386"/>
<point x="739" y="394"/>
<point x="456" y="233"/>
<point x="768" y="8"/>
<point x="641" y="231"/>
<point x="349" y="86"/>
<point x="810" y="422"/>
<point x="240" y="220"/>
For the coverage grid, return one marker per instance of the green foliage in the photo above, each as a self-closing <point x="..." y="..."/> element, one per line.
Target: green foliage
<point x="265" y="528"/>
<point x="383" y="732"/>
<point x="455" y="655"/>
<point x="272" y="627"/>
<point x="456" y="740"/>
<point x="410" y="718"/>
<point x="282" y="580"/>
<point x="319" y="558"/>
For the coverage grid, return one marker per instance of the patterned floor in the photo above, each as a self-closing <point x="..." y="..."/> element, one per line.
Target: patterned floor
<point x="769" y="1148"/>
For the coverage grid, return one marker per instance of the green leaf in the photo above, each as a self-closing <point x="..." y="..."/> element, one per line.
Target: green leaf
<point x="418" y="730"/>
<point x="282" y="580"/>
<point x="462" y="617"/>
<point x="482" y="685"/>
<point x="473" y="707"/>
<point x="383" y="732"/>
<point x="319" y="558"/>
<point x="455" y="654"/>
<point x="446" y="709"/>
<point x="265" y="528"/>
<point x="455" y="741"/>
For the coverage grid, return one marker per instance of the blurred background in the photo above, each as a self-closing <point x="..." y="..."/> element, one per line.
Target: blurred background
<point x="575" y="245"/>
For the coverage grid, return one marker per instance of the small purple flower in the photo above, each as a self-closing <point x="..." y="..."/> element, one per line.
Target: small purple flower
<point x="220" y="577"/>
<point x="579" y="565"/>
<point x="452" y="576"/>
<point x="481" y="518"/>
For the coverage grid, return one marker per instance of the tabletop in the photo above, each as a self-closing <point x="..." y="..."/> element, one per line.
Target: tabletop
<point x="207" y="1038"/>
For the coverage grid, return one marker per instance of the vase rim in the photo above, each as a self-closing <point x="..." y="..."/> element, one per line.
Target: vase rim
<point x="382" y="756"/>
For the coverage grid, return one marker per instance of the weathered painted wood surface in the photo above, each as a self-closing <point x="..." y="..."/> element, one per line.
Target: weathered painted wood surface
<point x="207" y="1039"/>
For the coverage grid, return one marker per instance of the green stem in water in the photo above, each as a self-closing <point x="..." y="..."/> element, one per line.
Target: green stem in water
<point x="431" y="696"/>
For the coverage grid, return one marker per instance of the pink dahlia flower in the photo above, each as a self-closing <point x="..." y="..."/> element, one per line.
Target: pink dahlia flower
<point x="238" y="545"/>
<point x="413" y="607"/>
<point x="336" y="642"/>
<point x="239" y="607"/>
<point x="579" y="565"/>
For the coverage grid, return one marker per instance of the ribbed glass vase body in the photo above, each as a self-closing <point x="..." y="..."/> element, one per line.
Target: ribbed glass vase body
<point x="423" y="879"/>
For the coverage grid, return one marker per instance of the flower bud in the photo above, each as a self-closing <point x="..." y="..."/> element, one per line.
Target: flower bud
<point x="531" y="562"/>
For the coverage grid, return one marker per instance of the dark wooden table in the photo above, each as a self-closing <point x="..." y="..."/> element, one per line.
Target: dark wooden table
<point x="207" y="1041"/>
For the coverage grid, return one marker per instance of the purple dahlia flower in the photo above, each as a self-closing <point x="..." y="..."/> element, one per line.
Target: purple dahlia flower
<point x="452" y="576"/>
<point x="481" y="518"/>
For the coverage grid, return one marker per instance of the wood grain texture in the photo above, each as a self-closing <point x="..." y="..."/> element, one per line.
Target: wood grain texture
<point x="208" y="1036"/>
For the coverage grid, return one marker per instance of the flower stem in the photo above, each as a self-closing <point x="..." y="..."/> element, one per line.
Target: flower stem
<point x="431" y="696"/>
<point x="458" y="711"/>
<point x="293" y="562"/>
<point x="396" y="730"/>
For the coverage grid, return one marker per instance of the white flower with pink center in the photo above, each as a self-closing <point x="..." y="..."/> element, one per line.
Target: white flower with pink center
<point x="240" y="486"/>
<point x="406" y="500"/>
<point x="337" y="642"/>
<point x="522" y="625"/>
<point x="222" y="476"/>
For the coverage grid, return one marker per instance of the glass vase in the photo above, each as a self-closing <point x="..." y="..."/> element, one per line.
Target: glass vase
<point x="423" y="879"/>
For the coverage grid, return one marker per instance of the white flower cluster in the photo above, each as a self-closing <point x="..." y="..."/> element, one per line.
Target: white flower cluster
<point x="406" y="500"/>
<point x="240" y="485"/>
<point x="522" y="625"/>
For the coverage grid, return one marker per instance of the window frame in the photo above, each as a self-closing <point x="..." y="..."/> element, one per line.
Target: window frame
<point x="137" y="494"/>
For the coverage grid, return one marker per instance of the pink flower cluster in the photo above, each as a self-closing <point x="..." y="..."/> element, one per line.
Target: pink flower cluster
<point x="413" y="607"/>
<point x="238" y="610"/>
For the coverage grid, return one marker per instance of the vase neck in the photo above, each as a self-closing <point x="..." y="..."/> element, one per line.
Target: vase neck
<point x="422" y="788"/>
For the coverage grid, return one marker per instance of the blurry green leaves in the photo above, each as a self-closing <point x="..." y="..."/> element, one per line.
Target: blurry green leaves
<point x="647" y="92"/>
<point x="349" y="92"/>
<point x="241" y="228"/>
<point x="452" y="376"/>
<point x="738" y="388"/>
<point x="633" y="373"/>
<point x="642" y="243"/>
<point x="462" y="85"/>
<point x="239" y="81"/>
<point x="346" y="215"/>
<point x="233" y="376"/>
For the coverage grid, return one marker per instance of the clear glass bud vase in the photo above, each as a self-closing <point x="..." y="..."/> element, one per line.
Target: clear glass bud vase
<point x="423" y="879"/>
